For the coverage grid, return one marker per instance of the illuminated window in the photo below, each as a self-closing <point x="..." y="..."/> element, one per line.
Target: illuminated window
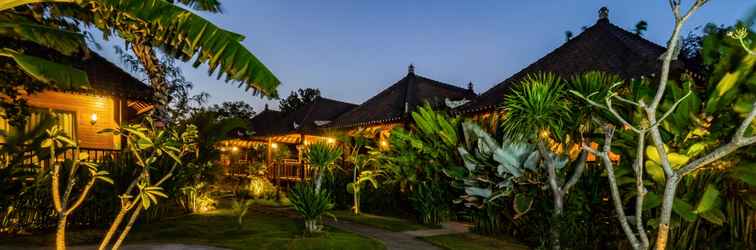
<point x="64" y="119"/>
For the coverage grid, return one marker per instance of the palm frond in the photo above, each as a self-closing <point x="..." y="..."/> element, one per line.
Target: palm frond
<point x="535" y="106"/>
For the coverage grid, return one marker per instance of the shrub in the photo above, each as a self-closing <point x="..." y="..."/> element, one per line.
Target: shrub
<point x="431" y="202"/>
<point x="311" y="204"/>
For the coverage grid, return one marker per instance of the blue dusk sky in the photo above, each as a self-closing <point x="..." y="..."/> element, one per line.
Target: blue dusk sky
<point x="351" y="50"/>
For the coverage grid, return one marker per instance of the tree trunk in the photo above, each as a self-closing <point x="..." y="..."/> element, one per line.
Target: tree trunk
<point x="356" y="201"/>
<point x="666" y="212"/>
<point x="311" y="225"/>
<point x="126" y="230"/>
<point x="60" y="234"/>
<point x="113" y="228"/>
<point x="156" y="74"/>
<point x="556" y="221"/>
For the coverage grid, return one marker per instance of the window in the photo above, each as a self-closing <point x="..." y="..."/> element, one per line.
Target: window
<point x="64" y="119"/>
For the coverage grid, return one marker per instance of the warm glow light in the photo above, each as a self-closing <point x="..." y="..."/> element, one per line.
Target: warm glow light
<point x="274" y="146"/>
<point x="234" y="149"/>
<point x="384" y="143"/>
<point x="222" y="149"/>
<point x="331" y="140"/>
<point x="93" y="118"/>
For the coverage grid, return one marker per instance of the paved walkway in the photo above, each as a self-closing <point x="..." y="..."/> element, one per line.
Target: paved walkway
<point x="392" y="240"/>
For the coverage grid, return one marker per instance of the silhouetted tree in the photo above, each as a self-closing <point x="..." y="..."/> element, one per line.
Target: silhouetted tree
<point x="298" y="99"/>
<point x="640" y="27"/>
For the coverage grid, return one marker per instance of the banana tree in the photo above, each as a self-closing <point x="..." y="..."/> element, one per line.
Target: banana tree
<point x="359" y="181"/>
<point x="146" y="25"/>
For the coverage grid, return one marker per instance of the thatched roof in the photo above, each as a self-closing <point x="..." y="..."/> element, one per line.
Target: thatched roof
<point x="305" y="119"/>
<point x="603" y="47"/>
<point x="107" y="78"/>
<point x="398" y="100"/>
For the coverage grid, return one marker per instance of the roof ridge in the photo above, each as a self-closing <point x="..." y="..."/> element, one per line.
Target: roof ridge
<point x="443" y="84"/>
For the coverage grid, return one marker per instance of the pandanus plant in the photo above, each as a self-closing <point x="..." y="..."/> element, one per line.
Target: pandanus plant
<point x="322" y="157"/>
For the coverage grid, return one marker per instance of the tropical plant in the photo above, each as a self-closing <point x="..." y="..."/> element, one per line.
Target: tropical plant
<point x="358" y="183"/>
<point x="538" y="112"/>
<point x="197" y="198"/>
<point x="147" y="145"/>
<point x="312" y="204"/>
<point x="680" y="120"/>
<point x="419" y="156"/>
<point x="241" y="204"/>
<point x="322" y="157"/>
<point x="65" y="205"/>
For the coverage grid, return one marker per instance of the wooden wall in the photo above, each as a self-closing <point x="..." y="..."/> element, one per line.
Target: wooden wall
<point x="108" y="109"/>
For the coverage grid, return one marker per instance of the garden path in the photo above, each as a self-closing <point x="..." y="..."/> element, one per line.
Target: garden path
<point x="451" y="227"/>
<point x="392" y="240"/>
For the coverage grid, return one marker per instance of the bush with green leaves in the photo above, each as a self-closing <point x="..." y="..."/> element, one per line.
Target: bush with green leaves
<point x="312" y="204"/>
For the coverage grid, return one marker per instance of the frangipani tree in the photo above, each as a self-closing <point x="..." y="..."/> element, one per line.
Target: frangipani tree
<point x="655" y="117"/>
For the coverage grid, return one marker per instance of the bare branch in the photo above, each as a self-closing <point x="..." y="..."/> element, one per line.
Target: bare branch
<point x="740" y="133"/>
<point x="578" y="172"/>
<point x="83" y="195"/>
<point x="616" y="198"/>
<point x="618" y="116"/>
<point x="641" y="190"/>
<point x="622" y="99"/>
<point x="672" y="109"/>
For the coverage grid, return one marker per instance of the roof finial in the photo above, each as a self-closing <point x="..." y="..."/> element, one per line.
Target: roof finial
<point x="470" y="86"/>
<point x="603" y="13"/>
<point x="411" y="69"/>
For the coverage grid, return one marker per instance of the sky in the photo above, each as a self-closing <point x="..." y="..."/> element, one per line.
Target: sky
<point x="351" y="50"/>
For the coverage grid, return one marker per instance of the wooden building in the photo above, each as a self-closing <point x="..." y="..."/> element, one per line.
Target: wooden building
<point x="113" y="98"/>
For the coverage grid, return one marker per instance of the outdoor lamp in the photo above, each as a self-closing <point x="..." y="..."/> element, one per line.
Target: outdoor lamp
<point x="331" y="140"/>
<point x="93" y="119"/>
<point x="234" y="149"/>
<point x="274" y="146"/>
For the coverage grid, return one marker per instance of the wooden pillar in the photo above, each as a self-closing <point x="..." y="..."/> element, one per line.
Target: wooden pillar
<point x="299" y="156"/>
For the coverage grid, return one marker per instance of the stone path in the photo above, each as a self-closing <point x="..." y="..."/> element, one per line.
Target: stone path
<point x="451" y="227"/>
<point x="392" y="240"/>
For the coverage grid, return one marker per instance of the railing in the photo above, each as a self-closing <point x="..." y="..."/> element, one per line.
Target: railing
<point x="289" y="171"/>
<point x="94" y="155"/>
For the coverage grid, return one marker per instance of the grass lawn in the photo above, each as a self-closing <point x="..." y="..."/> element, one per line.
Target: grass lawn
<point x="387" y="223"/>
<point x="472" y="242"/>
<point x="220" y="229"/>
